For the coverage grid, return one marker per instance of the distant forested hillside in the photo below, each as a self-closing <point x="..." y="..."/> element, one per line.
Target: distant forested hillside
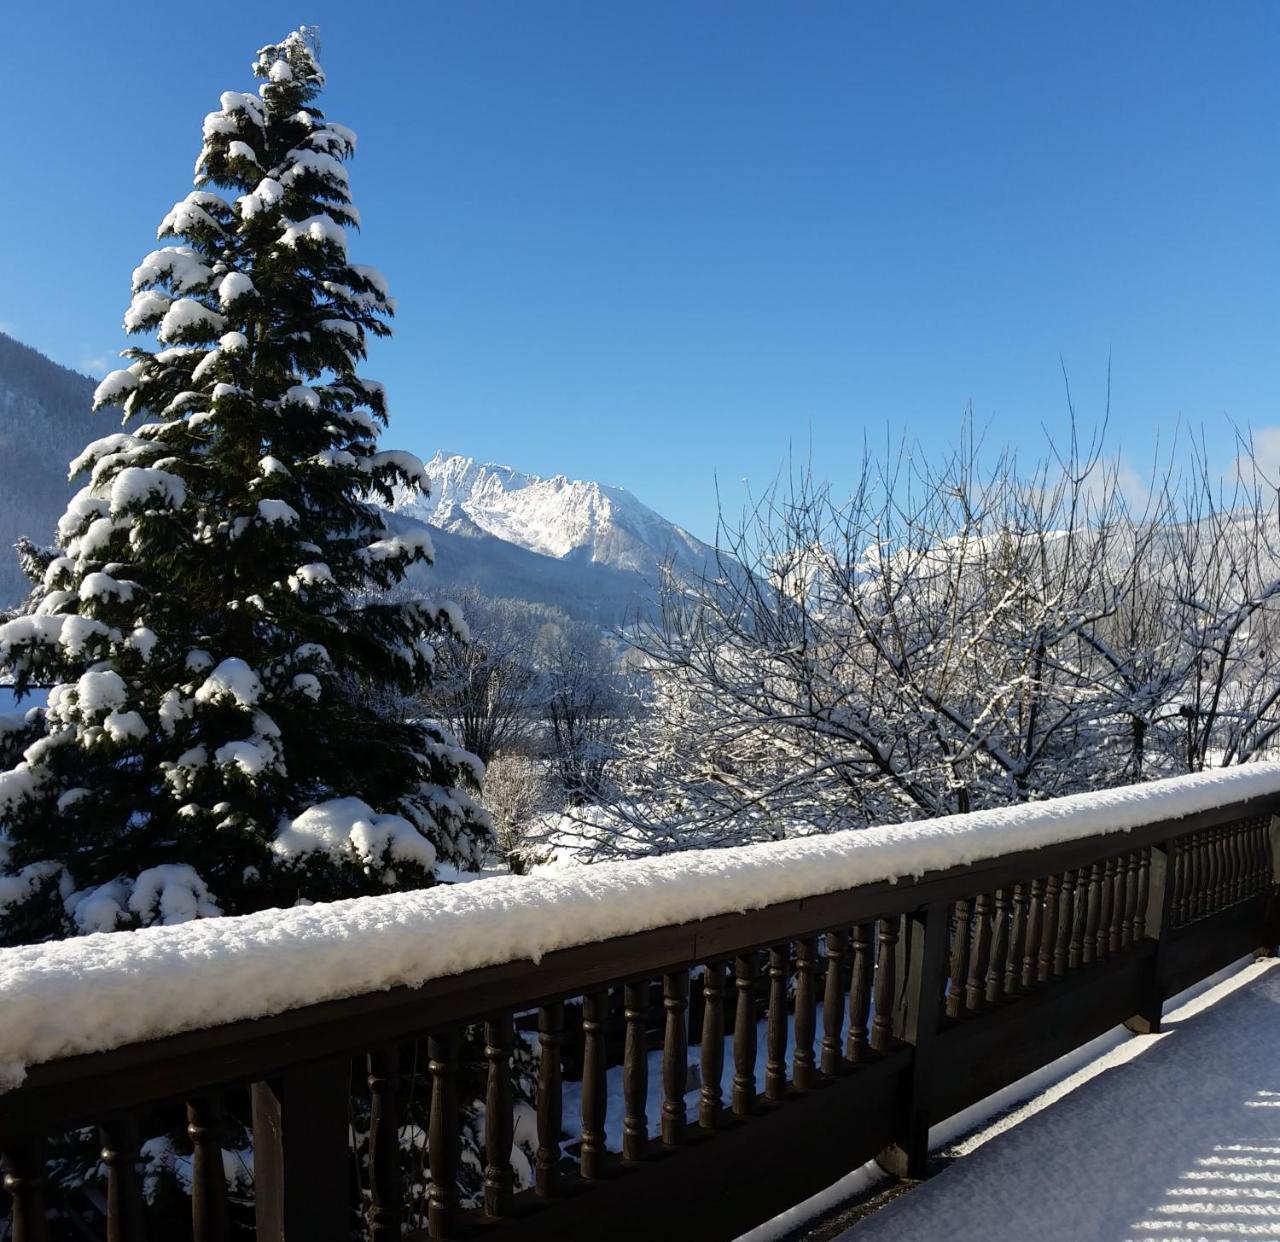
<point x="44" y="423"/>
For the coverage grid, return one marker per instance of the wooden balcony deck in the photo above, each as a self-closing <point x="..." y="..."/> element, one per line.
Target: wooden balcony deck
<point x="1164" y="1138"/>
<point x="882" y="1009"/>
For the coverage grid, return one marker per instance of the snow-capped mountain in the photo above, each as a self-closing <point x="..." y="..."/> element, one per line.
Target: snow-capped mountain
<point x="592" y="550"/>
<point x="566" y="519"/>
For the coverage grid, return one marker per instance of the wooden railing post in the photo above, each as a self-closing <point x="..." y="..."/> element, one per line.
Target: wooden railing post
<point x="444" y="1143"/>
<point x="208" y="1177"/>
<point x="675" y="1056"/>
<point x="1158" y="917"/>
<point x="595" y="1087"/>
<point x="124" y="1186"/>
<point x="917" y="1014"/>
<point x="499" y="1180"/>
<point x="635" y="1072"/>
<point x="301" y="1149"/>
<point x="550" y="1098"/>
<point x="24" y="1181"/>
<point x="1273" y="896"/>
<point x="384" y="1144"/>
<point x="711" y="1096"/>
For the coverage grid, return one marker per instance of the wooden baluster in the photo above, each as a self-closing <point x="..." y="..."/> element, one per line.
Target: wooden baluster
<point x="675" y="1055"/>
<point x="23" y="1180"/>
<point x="1093" y="915"/>
<point x="383" y="1076"/>
<point x="595" y="1087"/>
<point x="1204" y="889"/>
<point x="1144" y="895"/>
<point x="1130" y="899"/>
<point x="1235" y="863"/>
<point x="710" y="1099"/>
<point x="1259" y="859"/>
<point x="550" y="1098"/>
<point x="999" y="946"/>
<point x="1105" y="908"/>
<point x="444" y="1135"/>
<point x="1199" y="874"/>
<point x="803" y="1065"/>
<point x="1214" y="896"/>
<point x="1031" y="955"/>
<point x="833" y="1002"/>
<point x="1195" y="872"/>
<point x="958" y="966"/>
<point x="775" y="1035"/>
<point x="1048" y="929"/>
<point x="1181" y="884"/>
<point x="1079" y="920"/>
<point x="125" y="1207"/>
<point x="1195" y="876"/>
<point x="744" y="1035"/>
<point x="635" y="1071"/>
<point x="1066" y="915"/>
<point x="975" y="990"/>
<point x="499" y="1180"/>
<point x="208" y="1178"/>
<point x="1017" y="941"/>
<point x="857" y="1046"/>
<point x="1117" y="906"/>
<point x="886" y="983"/>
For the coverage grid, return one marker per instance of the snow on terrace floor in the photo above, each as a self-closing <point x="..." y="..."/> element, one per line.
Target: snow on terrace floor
<point x="1172" y="1138"/>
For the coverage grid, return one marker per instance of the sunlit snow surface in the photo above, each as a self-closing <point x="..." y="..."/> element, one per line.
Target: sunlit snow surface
<point x="1168" y="1138"/>
<point x="97" y="992"/>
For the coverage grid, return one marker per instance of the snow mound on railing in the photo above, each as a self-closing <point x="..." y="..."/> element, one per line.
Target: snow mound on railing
<point x="102" y="991"/>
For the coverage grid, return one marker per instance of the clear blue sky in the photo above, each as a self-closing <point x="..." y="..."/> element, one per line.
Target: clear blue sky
<point x="651" y="242"/>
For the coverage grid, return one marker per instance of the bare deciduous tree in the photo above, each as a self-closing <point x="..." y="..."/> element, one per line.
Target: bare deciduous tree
<point x="957" y="636"/>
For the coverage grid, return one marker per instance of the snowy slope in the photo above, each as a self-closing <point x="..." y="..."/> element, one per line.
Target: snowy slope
<point x="556" y="517"/>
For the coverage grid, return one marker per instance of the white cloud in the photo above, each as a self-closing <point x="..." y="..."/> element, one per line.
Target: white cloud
<point x="97" y="364"/>
<point x="1260" y="450"/>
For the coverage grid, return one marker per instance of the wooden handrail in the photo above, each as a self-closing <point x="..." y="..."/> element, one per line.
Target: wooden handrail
<point x="949" y="986"/>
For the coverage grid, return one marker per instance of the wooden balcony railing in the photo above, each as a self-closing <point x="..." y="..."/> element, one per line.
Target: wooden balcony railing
<point x="886" y="1008"/>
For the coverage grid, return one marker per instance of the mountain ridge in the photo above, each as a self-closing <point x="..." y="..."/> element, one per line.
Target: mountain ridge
<point x="593" y="549"/>
<point x="554" y="516"/>
<point x="45" y="420"/>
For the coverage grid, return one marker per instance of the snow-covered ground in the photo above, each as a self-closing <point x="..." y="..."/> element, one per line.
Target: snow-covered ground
<point x="101" y="991"/>
<point x="1165" y="1138"/>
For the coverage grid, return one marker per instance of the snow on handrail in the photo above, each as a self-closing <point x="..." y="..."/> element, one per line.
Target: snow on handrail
<point x="98" y="992"/>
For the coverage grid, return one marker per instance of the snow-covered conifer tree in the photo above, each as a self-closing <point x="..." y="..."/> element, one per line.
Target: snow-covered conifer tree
<point x="215" y="622"/>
